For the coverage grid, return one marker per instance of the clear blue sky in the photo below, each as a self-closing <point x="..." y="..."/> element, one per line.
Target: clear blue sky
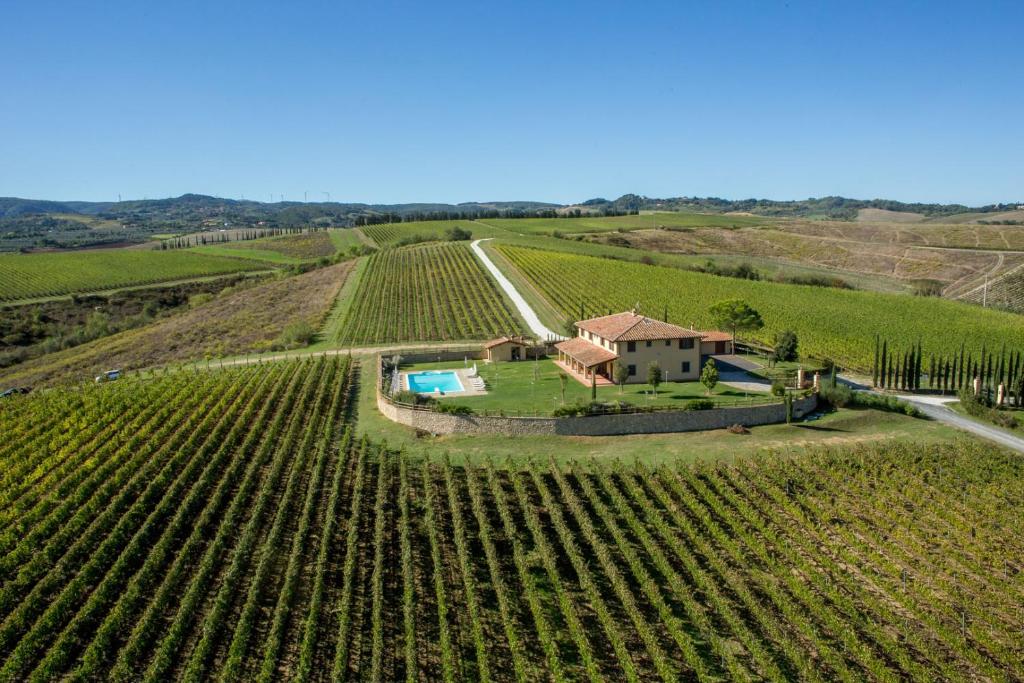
<point x="557" y="101"/>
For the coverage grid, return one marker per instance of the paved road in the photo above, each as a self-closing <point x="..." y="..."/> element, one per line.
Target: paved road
<point x="536" y="326"/>
<point x="733" y="371"/>
<point x="934" y="407"/>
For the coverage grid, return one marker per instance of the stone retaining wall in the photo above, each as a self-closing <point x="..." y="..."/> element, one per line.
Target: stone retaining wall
<point x="595" y="425"/>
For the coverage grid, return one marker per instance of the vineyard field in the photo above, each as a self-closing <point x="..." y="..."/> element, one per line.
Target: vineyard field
<point x="232" y="525"/>
<point x="28" y="276"/>
<point x="391" y="234"/>
<point x="830" y="323"/>
<point x="645" y="221"/>
<point x="306" y="246"/>
<point x="429" y="292"/>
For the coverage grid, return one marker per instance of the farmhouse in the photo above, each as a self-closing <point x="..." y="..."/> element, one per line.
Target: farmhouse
<point x="506" y="348"/>
<point x="636" y="341"/>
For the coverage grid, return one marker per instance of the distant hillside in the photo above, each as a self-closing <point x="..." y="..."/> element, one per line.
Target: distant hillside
<point x="28" y="223"/>
<point x="832" y="208"/>
<point x="31" y="223"/>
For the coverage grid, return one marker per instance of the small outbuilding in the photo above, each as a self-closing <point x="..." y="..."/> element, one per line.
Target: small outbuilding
<point x="506" y="348"/>
<point x="715" y="343"/>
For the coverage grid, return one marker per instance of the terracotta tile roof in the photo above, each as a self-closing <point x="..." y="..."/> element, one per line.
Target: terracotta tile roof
<point x="629" y="326"/>
<point x="585" y="352"/>
<point x="715" y="336"/>
<point x="501" y="340"/>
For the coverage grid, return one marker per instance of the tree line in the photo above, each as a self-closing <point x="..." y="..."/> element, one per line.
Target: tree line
<point x="913" y="370"/>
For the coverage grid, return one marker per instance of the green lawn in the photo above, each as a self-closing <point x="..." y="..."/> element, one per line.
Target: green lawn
<point x="534" y="387"/>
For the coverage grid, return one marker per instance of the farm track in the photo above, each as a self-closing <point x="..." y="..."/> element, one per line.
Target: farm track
<point x="259" y="540"/>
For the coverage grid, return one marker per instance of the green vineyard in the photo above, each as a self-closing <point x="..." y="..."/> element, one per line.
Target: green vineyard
<point x="430" y="292"/>
<point x="830" y="323"/>
<point x="230" y="525"/>
<point x="27" y="276"/>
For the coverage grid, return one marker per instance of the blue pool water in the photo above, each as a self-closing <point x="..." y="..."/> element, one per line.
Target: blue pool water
<point x="427" y="382"/>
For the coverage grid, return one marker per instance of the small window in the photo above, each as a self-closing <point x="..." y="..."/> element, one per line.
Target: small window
<point x="686" y="343"/>
<point x="648" y="344"/>
<point x="632" y="370"/>
<point x="686" y="367"/>
<point x="668" y="342"/>
<point x="631" y="347"/>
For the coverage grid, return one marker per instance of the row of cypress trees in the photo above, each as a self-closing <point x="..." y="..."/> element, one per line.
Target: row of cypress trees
<point x="912" y="370"/>
<point x="233" y="236"/>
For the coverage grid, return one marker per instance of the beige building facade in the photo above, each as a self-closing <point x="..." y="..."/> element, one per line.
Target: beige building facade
<point x="635" y="341"/>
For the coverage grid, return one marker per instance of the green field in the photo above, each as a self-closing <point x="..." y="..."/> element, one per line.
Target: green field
<point x="231" y="525"/>
<point x="430" y="292"/>
<point x="830" y="323"/>
<point x="30" y="276"/>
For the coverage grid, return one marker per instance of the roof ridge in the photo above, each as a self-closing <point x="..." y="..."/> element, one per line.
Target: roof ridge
<point x="620" y="334"/>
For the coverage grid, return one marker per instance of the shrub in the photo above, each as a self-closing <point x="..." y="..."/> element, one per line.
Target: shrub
<point x="412" y="398"/>
<point x="838" y="396"/>
<point x="298" y="333"/>
<point x="197" y="300"/>
<point x="865" y="399"/>
<point x="454" y="409"/>
<point x="457" y="234"/>
<point x="980" y="407"/>
<point x="778" y="388"/>
<point x="699" y="404"/>
<point x="571" y="410"/>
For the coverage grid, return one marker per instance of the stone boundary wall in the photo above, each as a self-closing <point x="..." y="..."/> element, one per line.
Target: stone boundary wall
<point x="595" y="425"/>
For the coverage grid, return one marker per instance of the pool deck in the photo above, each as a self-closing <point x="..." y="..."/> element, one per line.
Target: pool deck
<point x="464" y="378"/>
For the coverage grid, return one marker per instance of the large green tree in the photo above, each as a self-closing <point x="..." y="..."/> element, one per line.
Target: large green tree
<point x="736" y="315"/>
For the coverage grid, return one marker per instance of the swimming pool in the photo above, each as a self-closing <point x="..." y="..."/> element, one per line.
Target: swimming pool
<point x="447" y="381"/>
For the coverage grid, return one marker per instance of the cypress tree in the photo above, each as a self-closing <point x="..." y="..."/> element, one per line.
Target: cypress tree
<point x="885" y="362"/>
<point x="917" y="367"/>
<point x="932" y="379"/>
<point x="960" y="381"/>
<point x="874" y="367"/>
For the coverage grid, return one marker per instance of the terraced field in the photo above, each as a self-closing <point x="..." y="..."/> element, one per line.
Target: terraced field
<point x="833" y="323"/>
<point x="28" y="276"/>
<point x="230" y="525"/>
<point x="429" y="292"/>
